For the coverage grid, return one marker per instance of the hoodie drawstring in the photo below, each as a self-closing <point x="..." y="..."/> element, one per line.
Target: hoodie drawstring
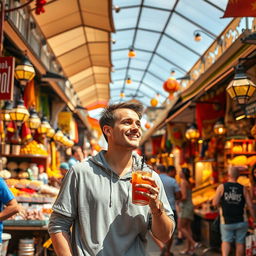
<point x="110" y="199"/>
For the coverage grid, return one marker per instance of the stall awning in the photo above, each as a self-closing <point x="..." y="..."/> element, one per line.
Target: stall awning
<point x="78" y="33"/>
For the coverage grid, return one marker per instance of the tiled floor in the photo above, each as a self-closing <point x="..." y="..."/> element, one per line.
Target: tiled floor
<point x="153" y="250"/>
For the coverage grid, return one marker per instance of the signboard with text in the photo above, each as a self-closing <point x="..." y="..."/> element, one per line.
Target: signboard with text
<point x="6" y="77"/>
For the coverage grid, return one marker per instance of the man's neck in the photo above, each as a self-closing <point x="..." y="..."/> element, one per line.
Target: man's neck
<point x="120" y="161"/>
<point x="232" y="180"/>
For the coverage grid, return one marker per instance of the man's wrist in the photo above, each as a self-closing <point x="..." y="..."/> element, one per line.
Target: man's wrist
<point x="158" y="211"/>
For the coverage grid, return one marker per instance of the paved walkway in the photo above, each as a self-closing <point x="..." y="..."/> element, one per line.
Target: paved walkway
<point x="153" y="250"/>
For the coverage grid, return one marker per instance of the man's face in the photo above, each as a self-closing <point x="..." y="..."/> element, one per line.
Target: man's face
<point x="79" y="154"/>
<point x="126" y="131"/>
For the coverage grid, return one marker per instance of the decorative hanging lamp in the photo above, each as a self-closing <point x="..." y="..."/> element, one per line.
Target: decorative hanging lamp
<point x="241" y="88"/>
<point x="219" y="128"/>
<point x="128" y="80"/>
<point x="131" y="53"/>
<point x="24" y="72"/>
<point x="192" y="133"/>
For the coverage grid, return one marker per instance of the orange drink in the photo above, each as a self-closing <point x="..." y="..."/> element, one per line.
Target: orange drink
<point x="137" y="179"/>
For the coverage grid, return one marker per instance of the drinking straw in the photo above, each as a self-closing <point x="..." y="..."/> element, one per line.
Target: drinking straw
<point x="142" y="162"/>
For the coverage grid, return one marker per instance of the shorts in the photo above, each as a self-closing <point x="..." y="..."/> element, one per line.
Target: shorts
<point x="234" y="232"/>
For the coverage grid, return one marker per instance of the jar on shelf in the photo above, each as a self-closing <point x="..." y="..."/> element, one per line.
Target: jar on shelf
<point x="34" y="169"/>
<point x="250" y="147"/>
<point x="244" y="147"/>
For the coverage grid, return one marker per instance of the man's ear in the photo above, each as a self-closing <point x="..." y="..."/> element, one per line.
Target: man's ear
<point x="106" y="130"/>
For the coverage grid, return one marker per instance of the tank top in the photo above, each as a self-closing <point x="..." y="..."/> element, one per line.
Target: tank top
<point x="232" y="204"/>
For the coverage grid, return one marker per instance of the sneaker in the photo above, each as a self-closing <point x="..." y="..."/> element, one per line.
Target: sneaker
<point x="197" y="245"/>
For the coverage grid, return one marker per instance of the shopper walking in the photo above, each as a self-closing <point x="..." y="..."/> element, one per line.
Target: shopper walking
<point x="76" y="157"/>
<point x="95" y="197"/>
<point x="173" y="193"/>
<point x="232" y="197"/>
<point x="187" y="212"/>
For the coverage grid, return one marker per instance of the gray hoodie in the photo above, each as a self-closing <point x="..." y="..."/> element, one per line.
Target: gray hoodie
<point x="96" y="202"/>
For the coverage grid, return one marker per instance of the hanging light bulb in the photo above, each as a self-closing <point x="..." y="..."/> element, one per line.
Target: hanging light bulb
<point x="128" y="80"/>
<point x="131" y="53"/>
<point x="122" y="95"/>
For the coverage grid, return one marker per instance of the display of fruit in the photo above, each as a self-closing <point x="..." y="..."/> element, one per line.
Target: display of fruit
<point x="33" y="148"/>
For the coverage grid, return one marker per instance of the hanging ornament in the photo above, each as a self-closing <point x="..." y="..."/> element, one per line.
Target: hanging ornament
<point x="171" y="85"/>
<point x="154" y="102"/>
<point x="40" y="6"/>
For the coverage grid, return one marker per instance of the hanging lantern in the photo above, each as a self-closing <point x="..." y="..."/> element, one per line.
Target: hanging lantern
<point x="171" y="85"/>
<point x="241" y="88"/>
<point x="192" y="133"/>
<point x="128" y="80"/>
<point x="44" y="127"/>
<point x="122" y="95"/>
<point x="131" y="53"/>
<point x="147" y="125"/>
<point x="24" y="72"/>
<point x="5" y="111"/>
<point x="154" y="102"/>
<point x="219" y="128"/>
<point x="34" y="120"/>
<point x="19" y="114"/>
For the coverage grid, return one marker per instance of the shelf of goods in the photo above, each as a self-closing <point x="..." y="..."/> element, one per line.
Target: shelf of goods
<point x="36" y="198"/>
<point x="240" y="152"/>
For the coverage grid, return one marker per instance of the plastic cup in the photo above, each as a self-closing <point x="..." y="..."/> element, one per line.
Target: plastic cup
<point x="137" y="179"/>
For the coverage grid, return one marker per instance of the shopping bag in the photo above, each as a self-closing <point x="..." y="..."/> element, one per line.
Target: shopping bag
<point x="250" y="245"/>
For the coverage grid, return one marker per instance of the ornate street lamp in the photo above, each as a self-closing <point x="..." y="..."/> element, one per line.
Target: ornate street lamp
<point x="192" y="133"/>
<point x="241" y="88"/>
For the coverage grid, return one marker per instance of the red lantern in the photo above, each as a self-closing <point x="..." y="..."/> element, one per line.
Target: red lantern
<point x="171" y="85"/>
<point x="154" y="102"/>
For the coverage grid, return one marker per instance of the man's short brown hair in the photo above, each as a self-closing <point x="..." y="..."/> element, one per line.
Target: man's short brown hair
<point x="108" y="114"/>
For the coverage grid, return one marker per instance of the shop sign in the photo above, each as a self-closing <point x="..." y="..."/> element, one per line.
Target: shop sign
<point x="6" y="77"/>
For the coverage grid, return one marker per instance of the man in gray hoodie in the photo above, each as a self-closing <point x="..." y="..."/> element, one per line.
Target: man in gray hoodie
<point x="95" y="197"/>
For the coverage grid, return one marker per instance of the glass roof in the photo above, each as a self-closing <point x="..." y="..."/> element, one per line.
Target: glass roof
<point x="161" y="33"/>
